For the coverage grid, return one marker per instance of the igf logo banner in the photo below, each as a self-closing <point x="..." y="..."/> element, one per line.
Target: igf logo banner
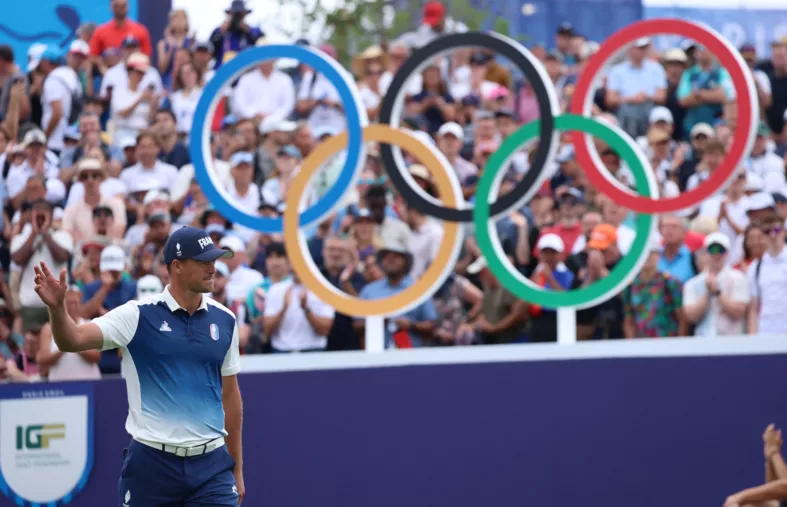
<point x="46" y="442"/>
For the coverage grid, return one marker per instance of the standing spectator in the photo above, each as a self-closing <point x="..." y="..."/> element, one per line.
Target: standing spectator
<point x="776" y="70"/>
<point x="116" y="77"/>
<point x="278" y="101"/>
<point x="320" y="103"/>
<point x="434" y="102"/>
<point x="425" y="239"/>
<point x="61" y="86"/>
<point x="634" y="86"/>
<point x="183" y="102"/>
<point x="38" y="242"/>
<point x="176" y="36"/>
<point x="132" y="107"/>
<point x="112" y="33"/>
<point x="754" y="245"/>
<point x="434" y="24"/>
<point x="397" y="55"/>
<point x="295" y="319"/>
<point x="415" y="327"/>
<point x="675" y="61"/>
<point x="77" y="218"/>
<point x="234" y="34"/>
<point x="717" y="299"/>
<point x="652" y="303"/>
<point x="67" y="365"/>
<point x="768" y="281"/>
<point x="764" y="162"/>
<point x="703" y="90"/>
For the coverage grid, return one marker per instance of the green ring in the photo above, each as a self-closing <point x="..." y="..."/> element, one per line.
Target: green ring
<point x="498" y="262"/>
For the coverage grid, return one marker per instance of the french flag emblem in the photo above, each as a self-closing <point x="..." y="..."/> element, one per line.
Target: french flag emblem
<point x="214" y="332"/>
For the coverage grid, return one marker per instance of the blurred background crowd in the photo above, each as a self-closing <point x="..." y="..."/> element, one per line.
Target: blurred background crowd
<point x="96" y="173"/>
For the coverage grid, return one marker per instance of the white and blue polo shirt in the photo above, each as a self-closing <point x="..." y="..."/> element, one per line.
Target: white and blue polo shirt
<point x="174" y="363"/>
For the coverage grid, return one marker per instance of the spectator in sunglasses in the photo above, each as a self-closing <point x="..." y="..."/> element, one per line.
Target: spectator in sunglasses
<point x="716" y="300"/>
<point x="77" y="218"/>
<point x="768" y="281"/>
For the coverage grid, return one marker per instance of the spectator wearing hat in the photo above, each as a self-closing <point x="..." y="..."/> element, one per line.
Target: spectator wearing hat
<point x="148" y="286"/>
<point x="173" y="150"/>
<point x="242" y="279"/>
<point x="87" y="267"/>
<point x="433" y="24"/>
<point x="219" y="293"/>
<point x="604" y="321"/>
<point x="159" y="229"/>
<point x="278" y="101"/>
<point x="112" y="33"/>
<point x="154" y="201"/>
<point x="760" y="205"/>
<point x="634" y="86"/>
<point x="414" y="328"/>
<point x="275" y="134"/>
<point x="132" y="106"/>
<point x="398" y="53"/>
<point x="768" y="281"/>
<point x="659" y="118"/>
<point x="652" y="302"/>
<point x="78" y="60"/>
<point x="149" y="166"/>
<point x="34" y="162"/>
<point x="234" y="34"/>
<point x="550" y="274"/>
<point x="665" y="166"/>
<point x="117" y="76"/>
<point x="712" y="157"/>
<point x="112" y="289"/>
<point x="77" y="217"/>
<point x="703" y="90"/>
<point x="275" y="188"/>
<point x="243" y="191"/>
<point x="675" y="62"/>
<point x="699" y="137"/>
<point x="716" y="301"/>
<point x="60" y="366"/>
<point x="450" y="140"/>
<point x="38" y="242"/>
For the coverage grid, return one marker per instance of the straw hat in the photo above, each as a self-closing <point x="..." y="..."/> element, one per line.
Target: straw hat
<point x="370" y="53"/>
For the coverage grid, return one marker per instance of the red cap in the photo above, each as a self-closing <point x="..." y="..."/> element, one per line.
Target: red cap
<point x="434" y="13"/>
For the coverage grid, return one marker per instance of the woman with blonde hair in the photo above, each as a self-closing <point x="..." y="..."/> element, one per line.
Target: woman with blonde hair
<point x="176" y="36"/>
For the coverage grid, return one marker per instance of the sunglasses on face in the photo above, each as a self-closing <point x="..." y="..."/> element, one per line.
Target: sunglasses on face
<point x="87" y="176"/>
<point x="102" y="214"/>
<point x="772" y="231"/>
<point x="717" y="250"/>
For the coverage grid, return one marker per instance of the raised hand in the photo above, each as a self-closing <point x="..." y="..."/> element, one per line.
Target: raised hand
<point x="51" y="291"/>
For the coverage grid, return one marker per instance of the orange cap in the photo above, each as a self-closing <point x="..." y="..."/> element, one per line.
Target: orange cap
<point x="603" y="236"/>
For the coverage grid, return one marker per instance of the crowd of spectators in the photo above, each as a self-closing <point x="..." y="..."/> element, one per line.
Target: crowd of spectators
<point x="96" y="173"/>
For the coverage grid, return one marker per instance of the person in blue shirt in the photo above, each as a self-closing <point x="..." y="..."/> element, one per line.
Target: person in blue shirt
<point x="234" y="35"/>
<point x="413" y="328"/>
<point x="181" y="359"/>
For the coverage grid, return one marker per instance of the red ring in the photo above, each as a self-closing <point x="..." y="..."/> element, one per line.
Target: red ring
<point x="743" y="136"/>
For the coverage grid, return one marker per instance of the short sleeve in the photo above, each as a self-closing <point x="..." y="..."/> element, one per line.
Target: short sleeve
<point x="320" y="308"/>
<point x="613" y="80"/>
<point x="64" y="240"/>
<point x="690" y="293"/>
<point x="53" y="91"/>
<point x="119" y="325"/>
<point x="739" y="289"/>
<point x="684" y="87"/>
<point x="752" y="279"/>
<point x="19" y="240"/>
<point x="428" y="311"/>
<point x="231" y="365"/>
<point x="660" y="76"/>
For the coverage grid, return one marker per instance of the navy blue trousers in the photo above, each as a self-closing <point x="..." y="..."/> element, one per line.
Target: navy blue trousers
<point x="153" y="478"/>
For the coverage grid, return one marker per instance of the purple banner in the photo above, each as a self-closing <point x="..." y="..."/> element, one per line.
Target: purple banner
<point x="593" y="432"/>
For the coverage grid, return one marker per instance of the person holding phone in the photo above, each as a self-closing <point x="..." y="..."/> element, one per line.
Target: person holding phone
<point x="176" y="36"/>
<point x="134" y="105"/>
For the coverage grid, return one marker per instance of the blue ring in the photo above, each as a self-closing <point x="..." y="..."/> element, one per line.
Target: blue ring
<point x="200" y="133"/>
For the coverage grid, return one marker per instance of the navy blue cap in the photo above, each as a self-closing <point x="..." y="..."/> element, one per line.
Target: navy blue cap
<point x="193" y="243"/>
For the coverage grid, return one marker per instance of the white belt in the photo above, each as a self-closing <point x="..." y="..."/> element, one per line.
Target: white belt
<point x="185" y="452"/>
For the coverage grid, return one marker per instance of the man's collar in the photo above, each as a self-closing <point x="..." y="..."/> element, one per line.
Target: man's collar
<point x="174" y="305"/>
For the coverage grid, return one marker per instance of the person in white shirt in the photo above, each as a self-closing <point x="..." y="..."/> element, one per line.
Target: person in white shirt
<point x="242" y="279"/>
<point x="117" y="76"/>
<point x="768" y="281"/>
<point x="319" y="101"/>
<point x="264" y="92"/>
<point x="133" y="104"/>
<point x="398" y="53"/>
<point x="184" y="100"/>
<point x="60" y="84"/>
<point x="38" y="242"/>
<point x="68" y="365"/>
<point x="149" y="166"/>
<point x="35" y="163"/>
<point x="717" y="299"/>
<point x="294" y="318"/>
<point x="423" y="242"/>
<point x="712" y="157"/>
<point x="763" y="160"/>
<point x="243" y="192"/>
<point x="275" y="188"/>
<point x="729" y="209"/>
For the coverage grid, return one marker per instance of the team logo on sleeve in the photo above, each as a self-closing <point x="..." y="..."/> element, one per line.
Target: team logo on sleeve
<point x="214" y="332"/>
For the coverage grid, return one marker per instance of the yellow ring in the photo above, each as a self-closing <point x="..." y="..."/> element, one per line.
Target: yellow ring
<point x="427" y="283"/>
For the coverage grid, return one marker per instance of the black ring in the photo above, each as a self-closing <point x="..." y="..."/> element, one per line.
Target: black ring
<point x="547" y="107"/>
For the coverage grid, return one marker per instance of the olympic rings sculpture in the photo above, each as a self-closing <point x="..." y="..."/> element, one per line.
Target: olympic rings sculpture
<point x="452" y="208"/>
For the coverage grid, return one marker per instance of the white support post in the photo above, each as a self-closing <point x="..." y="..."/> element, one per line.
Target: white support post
<point x="375" y="334"/>
<point x="566" y="326"/>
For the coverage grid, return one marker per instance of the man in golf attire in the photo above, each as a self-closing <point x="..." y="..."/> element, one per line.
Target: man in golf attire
<point x="181" y="359"/>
